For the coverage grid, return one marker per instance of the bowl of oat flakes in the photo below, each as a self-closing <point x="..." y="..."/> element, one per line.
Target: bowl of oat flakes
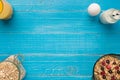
<point x="107" y="67"/>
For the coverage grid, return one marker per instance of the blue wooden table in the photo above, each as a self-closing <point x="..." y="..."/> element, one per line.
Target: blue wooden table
<point x="58" y="39"/>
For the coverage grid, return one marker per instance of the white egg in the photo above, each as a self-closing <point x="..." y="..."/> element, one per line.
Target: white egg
<point x="94" y="9"/>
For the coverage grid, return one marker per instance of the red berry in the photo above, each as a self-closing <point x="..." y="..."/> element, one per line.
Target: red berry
<point x="102" y="68"/>
<point x="117" y="67"/>
<point x="114" y="63"/>
<point x="103" y="63"/>
<point x="108" y="67"/>
<point x="110" y="71"/>
<point x="113" y="78"/>
<point x="102" y="73"/>
<point x="107" y="61"/>
<point x="118" y="71"/>
<point x="104" y="77"/>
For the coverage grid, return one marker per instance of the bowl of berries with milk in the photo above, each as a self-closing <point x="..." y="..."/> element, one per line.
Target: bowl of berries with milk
<point x="107" y="68"/>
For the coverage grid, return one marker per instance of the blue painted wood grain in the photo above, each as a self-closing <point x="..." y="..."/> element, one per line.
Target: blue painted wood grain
<point x="58" y="39"/>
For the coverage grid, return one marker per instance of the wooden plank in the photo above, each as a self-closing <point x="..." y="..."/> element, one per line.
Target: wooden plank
<point x="62" y="26"/>
<point x="60" y="43"/>
<point x="59" y="78"/>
